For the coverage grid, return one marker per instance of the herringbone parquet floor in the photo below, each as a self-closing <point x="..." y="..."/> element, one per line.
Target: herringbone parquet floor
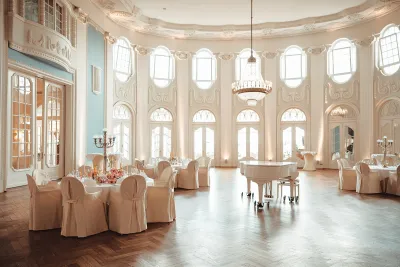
<point x="216" y="227"/>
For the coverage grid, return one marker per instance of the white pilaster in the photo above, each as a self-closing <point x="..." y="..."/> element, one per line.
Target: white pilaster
<point x="182" y="109"/>
<point x="142" y="122"/>
<point x="271" y="100"/>
<point x="227" y="128"/>
<point x="3" y="96"/>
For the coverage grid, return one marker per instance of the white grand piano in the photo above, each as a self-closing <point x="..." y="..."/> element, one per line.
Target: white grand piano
<point x="264" y="172"/>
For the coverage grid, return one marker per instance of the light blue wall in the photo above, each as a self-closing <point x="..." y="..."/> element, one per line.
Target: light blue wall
<point x="95" y="103"/>
<point x="39" y="64"/>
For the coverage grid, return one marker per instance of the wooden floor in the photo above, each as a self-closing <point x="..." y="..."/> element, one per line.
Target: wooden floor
<point x="216" y="227"/>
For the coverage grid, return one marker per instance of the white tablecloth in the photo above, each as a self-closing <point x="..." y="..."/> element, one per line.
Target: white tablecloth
<point x="383" y="172"/>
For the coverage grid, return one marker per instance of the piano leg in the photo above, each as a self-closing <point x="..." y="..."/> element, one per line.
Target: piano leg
<point x="248" y="187"/>
<point x="268" y="190"/>
<point x="292" y="188"/>
<point x="260" y="203"/>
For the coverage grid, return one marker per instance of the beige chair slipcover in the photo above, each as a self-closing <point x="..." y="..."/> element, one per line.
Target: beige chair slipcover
<point x="161" y="166"/>
<point x="204" y="171"/>
<point x="83" y="213"/>
<point x="367" y="182"/>
<point x="189" y="178"/>
<point x="40" y="177"/>
<point x="163" y="180"/>
<point x="148" y="171"/>
<point x="160" y="200"/>
<point x="45" y="210"/>
<point x="347" y="177"/>
<point x="127" y="213"/>
<point x="98" y="162"/>
<point x="345" y="163"/>
<point x="393" y="185"/>
<point x="185" y="162"/>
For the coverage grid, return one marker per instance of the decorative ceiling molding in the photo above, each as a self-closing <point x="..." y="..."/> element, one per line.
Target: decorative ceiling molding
<point x="143" y="51"/>
<point x="182" y="55"/>
<point x="269" y="55"/>
<point x="110" y="39"/>
<point x="126" y="14"/>
<point x="365" y="42"/>
<point x="82" y="16"/>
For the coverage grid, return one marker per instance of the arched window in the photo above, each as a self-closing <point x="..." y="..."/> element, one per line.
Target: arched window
<point x="293" y="115"/>
<point x="342" y="61"/>
<point x="293" y="66"/>
<point x="248" y="134"/>
<point x="241" y="64"/>
<point x="248" y="115"/>
<point x="162" y="67"/>
<point x="204" y="116"/>
<point x="388" y="55"/>
<point x="293" y="127"/>
<point x="204" y="68"/>
<point x="122" y="131"/>
<point x="161" y="133"/>
<point x="203" y="134"/>
<point x="123" y="58"/>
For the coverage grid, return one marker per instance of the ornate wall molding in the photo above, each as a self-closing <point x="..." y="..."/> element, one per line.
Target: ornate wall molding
<point x="110" y="39"/>
<point x="390" y="109"/>
<point x="269" y="55"/>
<point x="226" y="56"/>
<point x="316" y="50"/>
<point x="208" y="97"/>
<point x="341" y="92"/>
<point x="289" y="95"/>
<point x="386" y="86"/>
<point x="143" y="51"/>
<point x="182" y="55"/>
<point x="365" y="42"/>
<point x="82" y="16"/>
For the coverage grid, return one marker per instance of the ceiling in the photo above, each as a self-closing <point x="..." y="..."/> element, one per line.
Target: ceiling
<point x="237" y="12"/>
<point x="229" y="19"/>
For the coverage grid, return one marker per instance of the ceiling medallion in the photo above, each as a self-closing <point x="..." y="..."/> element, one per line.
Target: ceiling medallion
<point x="251" y="87"/>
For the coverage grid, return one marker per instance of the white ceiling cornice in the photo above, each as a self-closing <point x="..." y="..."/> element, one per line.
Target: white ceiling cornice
<point x="124" y="13"/>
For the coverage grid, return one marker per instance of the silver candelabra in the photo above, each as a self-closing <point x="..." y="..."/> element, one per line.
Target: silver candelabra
<point x="385" y="144"/>
<point x="104" y="142"/>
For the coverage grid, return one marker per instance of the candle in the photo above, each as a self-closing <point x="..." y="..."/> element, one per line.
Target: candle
<point x="385" y="137"/>
<point x="105" y="130"/>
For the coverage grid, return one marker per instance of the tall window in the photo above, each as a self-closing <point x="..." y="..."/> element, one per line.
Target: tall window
<point x="293" y="66"/>
<point x="122" y="55"/>
<point x="241" y="64"/>
<point x="342" y="61"/>
<point x="53" y="15"/>
<point x="247" y="134"/>
<point x="122" y="131"/>
<point x="293" y="127"/>
<point x="32" y="10"/>
<point x="204" y="133"/>
<point x="161" y="133"/>
<point x="204" y="68"/>
<point x="162" y="67"/>
<point x="388" y="50"/>
<point x="21" y="156"/>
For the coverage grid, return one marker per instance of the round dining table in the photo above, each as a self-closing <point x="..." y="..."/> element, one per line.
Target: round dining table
<point x="384" y="172"/>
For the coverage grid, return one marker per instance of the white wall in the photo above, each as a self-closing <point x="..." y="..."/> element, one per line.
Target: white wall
<point x="3" y="93"/>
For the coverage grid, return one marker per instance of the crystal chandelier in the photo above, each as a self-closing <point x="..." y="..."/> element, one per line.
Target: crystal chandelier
<point x="251" y="87"/>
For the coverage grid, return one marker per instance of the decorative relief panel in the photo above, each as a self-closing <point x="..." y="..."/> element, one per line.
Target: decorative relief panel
<point x="390" y="109"/>
<point x="342" y="112"/>
<point x="125" y="91"/>
<point x="40" y="41"/>
<point x="292" y="95"/>
<point x="386" y="86"/>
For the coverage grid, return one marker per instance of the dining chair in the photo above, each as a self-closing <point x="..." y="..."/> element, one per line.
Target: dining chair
<point x="85" y="170"/>
<point x="83" y="212"/>
<point x="160" y="200"/>
<point x="45" y="206"/>
<point x="393" y="185"/>
<point x="367" y="182"/>
<point x="204" y="171"/>
<point x="164" y="177"/>
<point x="347" y="176"/>
<point x="161" y="166"/>
<point x="189" y="178"/>
<point x="98" y="161"/>
<point x="127" y="210"/>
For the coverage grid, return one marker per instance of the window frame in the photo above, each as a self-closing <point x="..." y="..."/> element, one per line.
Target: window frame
<point x="213" y="68"/>
<point x="303" y="66"/>
<point x="352" y="61"/>
<point x="392" y="68"/>
<point x="153" y="65"/>
<point x="117" y="56"/>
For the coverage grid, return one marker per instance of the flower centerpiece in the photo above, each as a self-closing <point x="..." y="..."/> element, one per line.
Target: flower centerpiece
<point x="110" y="177"/>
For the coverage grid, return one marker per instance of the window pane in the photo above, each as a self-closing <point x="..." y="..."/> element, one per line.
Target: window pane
<point x="204" y="116"/>
<point x="293" y="67"/>
<point x="161" y="114"/>
<point x="248" y="115"/>
<point x="126" y="142"/>
<point x="117" y="134"/>
<point x="287" y="143"/>
<point x="198" y="143"/>
<point x="300" y="134"/>
<point x="54" y="102"/>
<point x="59" y="18"/>
<point x="167" y="137"/>
<point x="210" y="143"/>
<point x="204" y="71"/>
<point x="155" y="142"/>
<point x="242" y="143"/>
<point x="342" y="60"/>
<point x="49" y="13"/>
<point x="253" y="143"/>
<point x="336" y="139"/>
<point x="293" y="114"/>
<point x="32" y="10"/>
<point x="161" y="70"/>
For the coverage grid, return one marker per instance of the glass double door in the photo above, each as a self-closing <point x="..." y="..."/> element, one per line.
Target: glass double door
<point x="203" y="142"/>
<point x="161" y="141"/>
<point x="342" y="137"/>
<point x="36" y="124"/>
<point x="122" y="132"/>
<point x="247" y="142"/>
<point x="293" y="141"/>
